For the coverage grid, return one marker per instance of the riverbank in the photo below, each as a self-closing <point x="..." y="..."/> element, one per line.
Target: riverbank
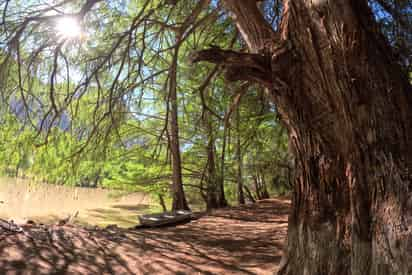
<point x="22" y="200"/>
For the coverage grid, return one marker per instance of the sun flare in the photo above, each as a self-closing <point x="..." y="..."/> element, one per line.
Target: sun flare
<point x="68" y="28"/>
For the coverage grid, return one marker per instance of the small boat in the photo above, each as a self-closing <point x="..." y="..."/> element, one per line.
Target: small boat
<point x="165" y="218"/>
<point x="10" y="226"/>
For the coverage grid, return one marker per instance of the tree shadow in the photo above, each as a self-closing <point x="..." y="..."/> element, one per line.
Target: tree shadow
<point x="224" y="242"/>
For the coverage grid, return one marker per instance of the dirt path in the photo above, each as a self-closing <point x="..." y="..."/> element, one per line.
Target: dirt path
<point x="241" y="240"/>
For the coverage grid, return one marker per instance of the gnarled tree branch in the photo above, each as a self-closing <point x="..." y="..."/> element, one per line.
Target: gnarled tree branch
<point x="239" y="66"/>
<point x="232" y="58"/>
<point x="251" y="67"/>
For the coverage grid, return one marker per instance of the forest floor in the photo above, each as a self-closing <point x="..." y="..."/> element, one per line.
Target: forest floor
<point x="238" y="240"/>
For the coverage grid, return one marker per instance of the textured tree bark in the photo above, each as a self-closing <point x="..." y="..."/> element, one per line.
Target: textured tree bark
<point x="348" y="110"/>
<point x="349" y="119"/>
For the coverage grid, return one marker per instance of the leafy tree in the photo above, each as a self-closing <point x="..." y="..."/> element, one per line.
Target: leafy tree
<point x="336" y="78"/>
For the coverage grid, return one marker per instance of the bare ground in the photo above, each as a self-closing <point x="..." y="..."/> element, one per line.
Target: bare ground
<point x="240" y="240"/>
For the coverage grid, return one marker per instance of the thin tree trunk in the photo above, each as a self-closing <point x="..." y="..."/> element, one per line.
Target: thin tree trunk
<point x="221" y="187"/>
<point x="226" y="137"/>
<point x="257" y="188"/>
<point x="17" y="169"/>
<point x="263" y="188"/>
<point x="179" y="198"/>
<point x="212" y="182"/>
<point x="249" y="194"/>
<point x="240" y="195"/>
<point x="162" y="203"/>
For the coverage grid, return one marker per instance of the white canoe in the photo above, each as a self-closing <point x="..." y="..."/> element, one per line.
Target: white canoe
<point x="166" y="218"/>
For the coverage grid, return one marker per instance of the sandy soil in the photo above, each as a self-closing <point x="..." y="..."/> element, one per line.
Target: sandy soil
<point x="240" y="240"/>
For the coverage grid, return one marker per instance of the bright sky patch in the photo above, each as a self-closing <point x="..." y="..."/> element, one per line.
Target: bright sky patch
<point x="68" y="28"/>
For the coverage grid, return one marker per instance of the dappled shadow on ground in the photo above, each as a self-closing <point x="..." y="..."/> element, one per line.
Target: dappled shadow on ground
<point x="241" y="240"/>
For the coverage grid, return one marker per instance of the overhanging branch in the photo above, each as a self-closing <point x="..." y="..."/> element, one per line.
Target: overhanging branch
<point x="232" y="58"/>
<point x="239" y="66"/>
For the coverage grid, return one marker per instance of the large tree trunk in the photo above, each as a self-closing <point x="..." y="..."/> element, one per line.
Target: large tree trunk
<point x="348" y="109"/>
<point x="349" y="119"/>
